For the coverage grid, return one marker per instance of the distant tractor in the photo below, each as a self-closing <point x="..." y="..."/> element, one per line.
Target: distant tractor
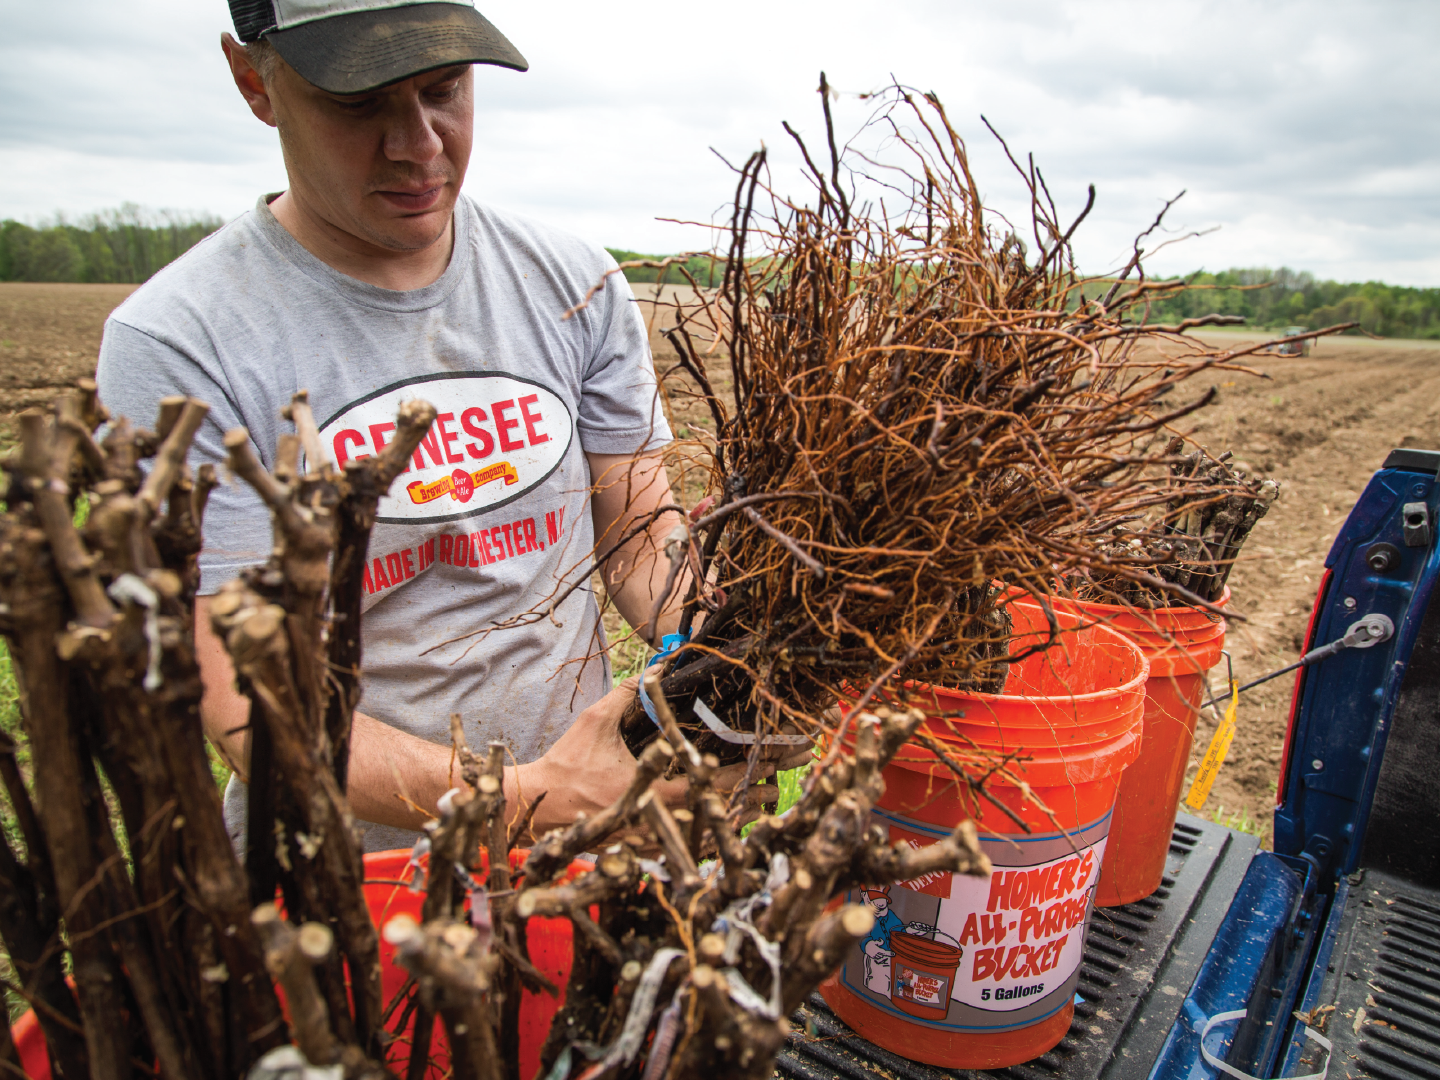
<point x="1295" y="348"/>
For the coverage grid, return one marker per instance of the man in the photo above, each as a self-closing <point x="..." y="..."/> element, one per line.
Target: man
<point x="369" y="281"/>
<point x="876" y="946"/>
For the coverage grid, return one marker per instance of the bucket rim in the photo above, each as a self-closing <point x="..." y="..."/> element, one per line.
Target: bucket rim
<point x="1133" y="685"/>
<point x="913" y="947"/>
<point x="1173" y="612"/>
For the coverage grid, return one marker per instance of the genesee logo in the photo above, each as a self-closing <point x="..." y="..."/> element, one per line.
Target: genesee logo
<point x="495" y="437"/>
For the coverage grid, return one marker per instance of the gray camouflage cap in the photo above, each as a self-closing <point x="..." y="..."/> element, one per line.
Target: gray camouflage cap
<point x="352" y="46"/>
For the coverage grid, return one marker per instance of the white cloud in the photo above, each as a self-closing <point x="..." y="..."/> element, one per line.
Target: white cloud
<point x="1308" y="131"/>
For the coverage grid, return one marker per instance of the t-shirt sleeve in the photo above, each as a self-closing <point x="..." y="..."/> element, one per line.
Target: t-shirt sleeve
<point x="135" y="371"/>
<point x="620" y="406"/>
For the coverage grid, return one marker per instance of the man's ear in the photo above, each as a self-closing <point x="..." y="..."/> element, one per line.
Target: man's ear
<point x="248" y="81"/>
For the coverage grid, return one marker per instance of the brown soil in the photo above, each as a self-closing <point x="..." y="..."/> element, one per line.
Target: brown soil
<point x="1319" y="424"/>
<point x="49" y="337"/>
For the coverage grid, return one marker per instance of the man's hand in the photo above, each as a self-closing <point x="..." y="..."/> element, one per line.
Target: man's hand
<point x="396" y="778"/>
<point x="590" y="767"/>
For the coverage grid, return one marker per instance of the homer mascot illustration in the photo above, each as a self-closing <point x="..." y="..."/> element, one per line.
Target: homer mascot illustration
<point x="876" y="947"/>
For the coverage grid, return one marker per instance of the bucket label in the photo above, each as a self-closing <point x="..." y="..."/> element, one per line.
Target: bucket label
<point x="920" y="986"/>
<point x="980" y="954"/>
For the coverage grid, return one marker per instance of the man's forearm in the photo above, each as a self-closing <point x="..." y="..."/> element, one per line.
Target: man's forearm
<point x="397" y="779"/>
<point x="635" y="600"/>
<point x="627" y="492"/>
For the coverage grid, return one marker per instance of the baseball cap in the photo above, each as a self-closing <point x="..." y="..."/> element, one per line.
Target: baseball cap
<point x="351" y="46"/>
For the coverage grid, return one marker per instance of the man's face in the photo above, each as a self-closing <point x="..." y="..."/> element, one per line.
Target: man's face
<point x="385" y="167"/>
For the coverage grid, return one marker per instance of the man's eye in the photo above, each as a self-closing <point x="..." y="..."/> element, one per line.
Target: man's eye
<point x="353" y="105"/>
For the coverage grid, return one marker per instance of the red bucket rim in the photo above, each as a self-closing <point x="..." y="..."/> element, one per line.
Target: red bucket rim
<point x="1150" y="619"/>
<point x="1135" y="684"/>
<point x="922" y="950"/>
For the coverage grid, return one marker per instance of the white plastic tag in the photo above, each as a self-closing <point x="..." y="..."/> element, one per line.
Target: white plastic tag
<point x="1230" y="1070"/>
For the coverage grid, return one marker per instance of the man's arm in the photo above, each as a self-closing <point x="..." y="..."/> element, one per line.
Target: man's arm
<point x="627" y="491"/>
<point x="585" y="771"/>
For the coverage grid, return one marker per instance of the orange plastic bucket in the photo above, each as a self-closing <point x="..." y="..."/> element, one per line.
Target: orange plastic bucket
<point x="1074" y="714"/>
<point x="922" y="973"/>
<point x="1182" y="644"/>
<point x="549" y="942"/>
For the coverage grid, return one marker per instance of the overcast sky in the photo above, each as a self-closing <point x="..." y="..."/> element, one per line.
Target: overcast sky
<point x="1308" y="132"/>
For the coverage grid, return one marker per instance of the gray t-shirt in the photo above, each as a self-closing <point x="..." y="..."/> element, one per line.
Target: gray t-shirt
<point x="493" y="516"/>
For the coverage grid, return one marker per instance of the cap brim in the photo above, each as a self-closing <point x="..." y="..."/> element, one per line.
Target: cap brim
<point x="364" y="50"/>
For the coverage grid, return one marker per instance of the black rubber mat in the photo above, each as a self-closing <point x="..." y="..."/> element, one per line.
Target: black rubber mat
<point x="1139" y="962"/>
<point x="1380" y="1001"/>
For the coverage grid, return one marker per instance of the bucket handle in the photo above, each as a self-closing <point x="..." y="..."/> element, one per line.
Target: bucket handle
<point x="933" y="931"/>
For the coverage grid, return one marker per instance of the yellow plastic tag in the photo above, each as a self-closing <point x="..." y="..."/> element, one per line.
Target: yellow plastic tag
<point x="1215" y="756"/>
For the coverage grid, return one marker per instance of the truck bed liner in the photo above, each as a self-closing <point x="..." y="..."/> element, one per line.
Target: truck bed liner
<point x="1139" y="962"/>
<point x="1378" y="997"/>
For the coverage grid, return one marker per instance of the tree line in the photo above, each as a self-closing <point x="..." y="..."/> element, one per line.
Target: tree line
<point x="1265" y="298"/>
<point x="124" y="245"/>
<point x="706" y="270"/>
<point x="1274" y="299"/>
<point x="130" y="244"/>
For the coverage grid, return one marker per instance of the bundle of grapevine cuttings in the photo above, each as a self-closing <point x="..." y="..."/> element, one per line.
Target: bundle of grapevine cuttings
<point x="1186" y="548"/>
<point x="923" y="413"/>
<point x="172" y="943"/>
<point x="683" y="966"/>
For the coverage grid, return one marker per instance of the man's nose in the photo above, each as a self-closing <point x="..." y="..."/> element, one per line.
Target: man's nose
<point x="410" y="134"/>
